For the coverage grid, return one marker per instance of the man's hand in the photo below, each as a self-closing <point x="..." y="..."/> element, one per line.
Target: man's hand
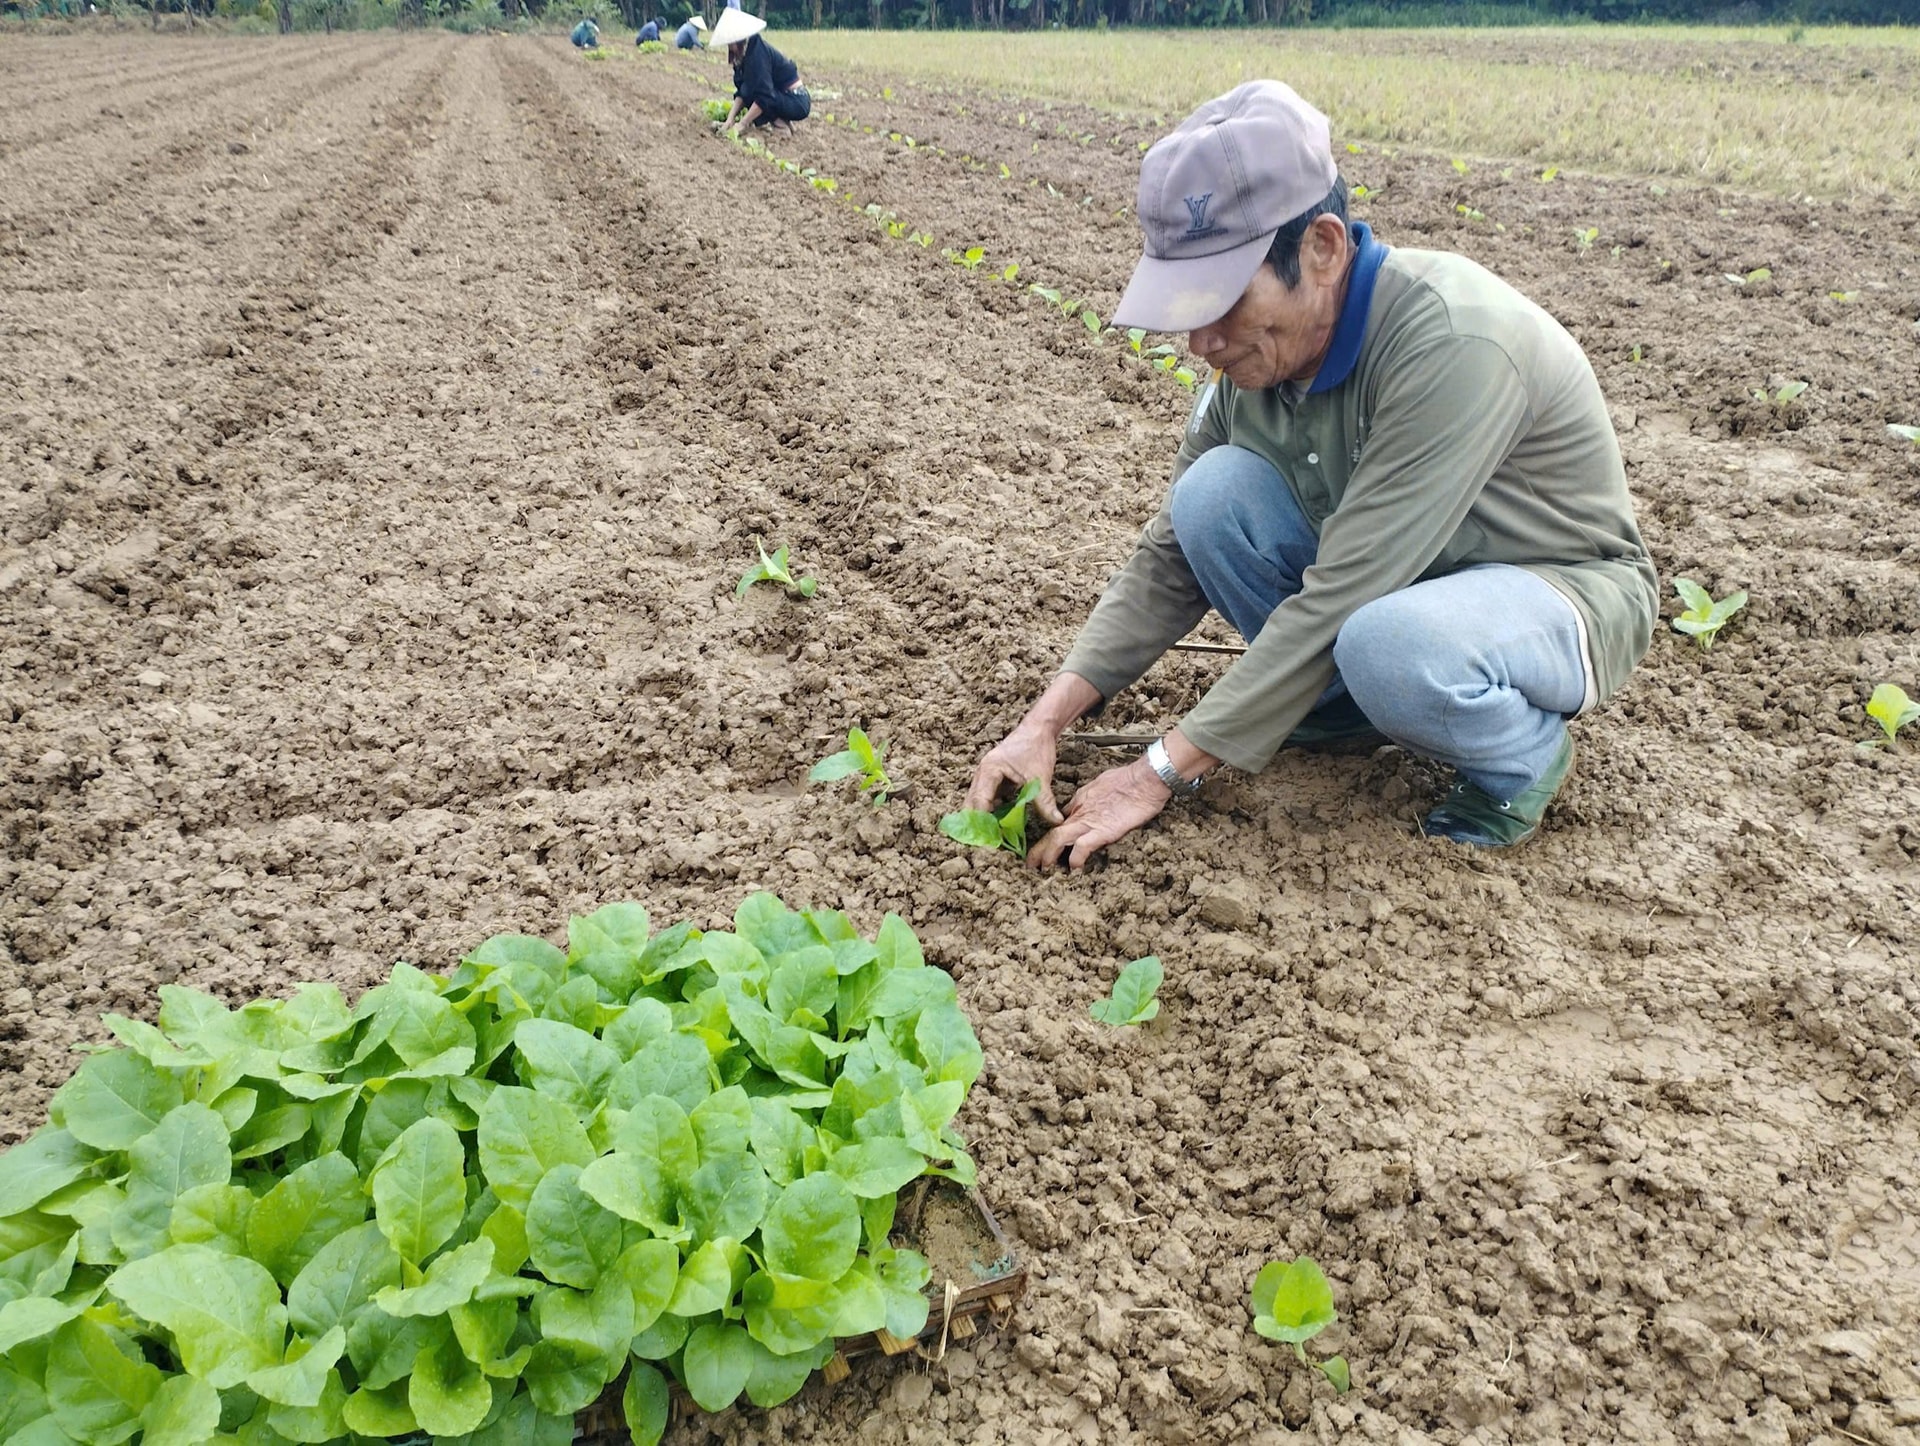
<point x="1027" y="752"/>
<point x="1105" y="811"/>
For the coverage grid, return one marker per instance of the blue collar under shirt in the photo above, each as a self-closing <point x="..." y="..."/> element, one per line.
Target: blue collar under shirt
<point x="1344" y="350"/>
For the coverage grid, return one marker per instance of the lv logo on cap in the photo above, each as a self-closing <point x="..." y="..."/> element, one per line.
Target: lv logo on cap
<point x="1197" y="227"/>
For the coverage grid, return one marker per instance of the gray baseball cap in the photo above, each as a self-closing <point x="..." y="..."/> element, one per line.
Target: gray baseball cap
<point x="1212" y="195"/>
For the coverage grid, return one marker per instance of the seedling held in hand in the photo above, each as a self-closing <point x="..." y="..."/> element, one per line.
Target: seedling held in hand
<point x="1893" y="710"/>
<point x="1704" y="617"/>
<point x="775" y="569"/>
<point x="1004" y="828"/>
<point x="1132" y="1000"/>
<point x="1293" y="1304"/>
<point x="862" y="756"/>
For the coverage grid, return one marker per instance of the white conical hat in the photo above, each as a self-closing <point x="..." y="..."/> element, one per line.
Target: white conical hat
<point x="698" y="22"/>
<point x="734" y="26"/>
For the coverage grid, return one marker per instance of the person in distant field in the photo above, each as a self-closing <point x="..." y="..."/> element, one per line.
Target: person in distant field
<point x="649" y="31"/>
<point x="1403" y="490"/>
<point x="585" y="36"/>
<point x="766" y="85"/>
<point x="692" y="35"/>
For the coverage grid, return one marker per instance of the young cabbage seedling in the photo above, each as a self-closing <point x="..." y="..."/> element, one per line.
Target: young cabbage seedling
<point x="1893" y="710"/>
<point x="1704" y="617"/>
<point x="1759" y="273"/>
<point x="1780" y="400"/>
<point x="1012" y="270"/>
<point x="862" y="756"/>
<point x="1132" y="1000"/>
<point x="775" y="569"/>
<point x="1004" y="828"/>
<point x="1585" y="236"/>
<point x="1293" y="1304"/>
<point x="1911" y="434"/>
<point x="714" y="110"/>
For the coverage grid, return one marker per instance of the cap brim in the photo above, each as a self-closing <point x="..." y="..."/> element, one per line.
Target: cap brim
<point x="1181" y="295"/>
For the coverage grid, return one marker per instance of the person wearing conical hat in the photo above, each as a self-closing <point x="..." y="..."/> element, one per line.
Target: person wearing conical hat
<point x="766" y="85"/>
<point x="692" y="35"/>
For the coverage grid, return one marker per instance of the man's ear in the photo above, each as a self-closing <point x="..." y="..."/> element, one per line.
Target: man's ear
<point x="1323" y="250"/>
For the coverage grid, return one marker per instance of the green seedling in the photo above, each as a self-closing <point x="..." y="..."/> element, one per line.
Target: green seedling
<point x="925" y="238"/>
<point x="1637" y="354"/>
<point x="1893" y="710"/>
<point x="1005" y="173"/>
<point x="970" y="258"/>
<point x="1548" y="174"/>
<point x="1185" y="376"/>
<point x="886" y="92"/>
<point x="1045" y="293"/>
<point x="1781" y="398"/>
<point x="1355" y="149"/>
<point x="1585" y="236"/>
<point x="714" y="110"/>
<point x="775" y="569"/>
<point x="1460" y="165"/>
<point x="1470" y="212"/>
<point x="1293" y="1304"/>
<point x="1136" y="338"/>
<point x="1004" y="828"/>
<point x="1906" y="433"/>
<point x="1844" y="295"/>
<point x="823" y="183"/>
<point x="862" y="756"/>
<point x="1132" y="1000"/>
<point x="1363" y="192"/>
<point x="1704" y="617"/>
<point x="1090" y="319"/>
<point x="1758" y="274"/>
<point x="1012" y="270"/>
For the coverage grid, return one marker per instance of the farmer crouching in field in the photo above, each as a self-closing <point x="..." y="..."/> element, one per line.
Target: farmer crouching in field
<point x="1404" y="491"/>
<point x="585" y="35"/>
<point x="691" y="35"/>
<point x="766" y="85"/>
<point x="648" y="33"/>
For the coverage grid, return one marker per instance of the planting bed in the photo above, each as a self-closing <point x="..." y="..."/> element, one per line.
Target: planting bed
<point x="386" y="420"/>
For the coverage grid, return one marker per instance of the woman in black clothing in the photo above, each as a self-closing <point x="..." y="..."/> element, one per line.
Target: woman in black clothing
<point x="766" y="85"/>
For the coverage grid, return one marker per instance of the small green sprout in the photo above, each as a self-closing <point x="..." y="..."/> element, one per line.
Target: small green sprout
<point x="925" y="238"/>
<point x="896" y="229"/>
<point x="1132" y="1001"/>
<point x="775" y="569"/>
<point x="714" y="110"/>
<point x="1782" y="398"/>
<point x="1893" y="710"/>
<point x="886" y="92"/>
<point x="1091" y="320"/>
<point x="1136" y="338"/>
<point x="1470" y="212"/>
<point x="1045" y="293"/>
<point x="1704" y="617"/>
<point x="861" y="756"/>
<point x="1355" y="149"/>
<point x="1185" y="376"/>
<point x="1910" y="434"/>
<point x="823" y="183"/>
<point x="1758" y="274"/>
<point x="1460" y="165"/>
<point x="1637" y="353"/>
<point x="1012" y="270"/>
<point x="1843" y="295"/>
<point x="1004" y="828"/>
<point x="1293" y="1304"/>
<point x="1585" y="236"/>
<point x="1005" y="174"/>
<point x="1548" y="174"/>
<point x="1362" y="191"/>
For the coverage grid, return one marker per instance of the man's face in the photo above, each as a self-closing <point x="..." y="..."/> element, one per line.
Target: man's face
<point x="1276" y="333"/>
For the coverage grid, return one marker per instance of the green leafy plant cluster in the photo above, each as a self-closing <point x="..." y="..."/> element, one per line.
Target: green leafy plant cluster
<point x="652" y="47"/>
<point x="1704" y="617"/>
<point x="1893" y="710"/>
<point x="468" y="1203"/>
<point x="862" y="756"/>
<point x="1003" y="828"/>
<point x="714" y="110"/>
<point x="775" y="567"/>
<point x="1133" y="1000"/>
<point x="1293" y="1303"/>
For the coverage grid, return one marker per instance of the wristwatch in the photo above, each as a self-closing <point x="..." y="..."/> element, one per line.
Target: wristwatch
<point x="1158" y="761"/>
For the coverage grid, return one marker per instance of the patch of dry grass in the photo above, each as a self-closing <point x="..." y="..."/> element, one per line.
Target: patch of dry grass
<point x="1833" y="114"/>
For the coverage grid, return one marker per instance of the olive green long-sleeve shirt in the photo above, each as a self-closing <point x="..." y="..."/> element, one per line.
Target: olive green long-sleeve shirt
<point x="1470" y="430"/>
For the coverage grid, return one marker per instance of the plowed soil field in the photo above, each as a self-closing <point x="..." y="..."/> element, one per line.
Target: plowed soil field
<point x="384" y="422"/>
